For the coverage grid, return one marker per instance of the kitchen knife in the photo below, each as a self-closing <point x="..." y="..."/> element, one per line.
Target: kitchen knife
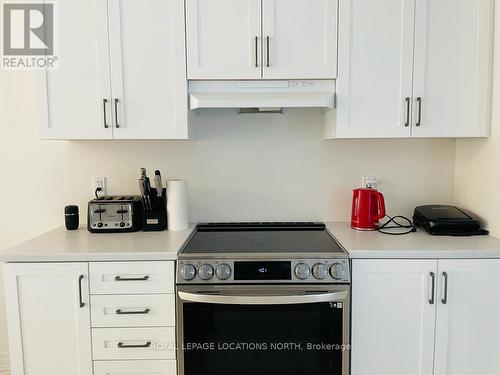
<point x="158" y="185"/>
<point x="142" y="191"/>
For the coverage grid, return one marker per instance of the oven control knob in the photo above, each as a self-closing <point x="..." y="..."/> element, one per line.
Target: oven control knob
<point x="223" y="271"/>
<point x="206" y="271"/>
<point x="320" y="271"/>
<point x="188" y="272"/>
<point x="337" y="270"/>
<point x="302" y="271"/>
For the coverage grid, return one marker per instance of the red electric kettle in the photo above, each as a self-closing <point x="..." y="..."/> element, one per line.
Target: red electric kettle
<point x="368" y="207"/>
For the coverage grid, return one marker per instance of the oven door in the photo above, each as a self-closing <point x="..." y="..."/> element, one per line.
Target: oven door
<point x="277" y="330"/>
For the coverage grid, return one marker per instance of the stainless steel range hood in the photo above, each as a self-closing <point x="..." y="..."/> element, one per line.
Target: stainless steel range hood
<point x="262" y="94"/>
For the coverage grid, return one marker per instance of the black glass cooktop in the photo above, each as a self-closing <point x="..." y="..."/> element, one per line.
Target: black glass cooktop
<point x="250" y="238"/>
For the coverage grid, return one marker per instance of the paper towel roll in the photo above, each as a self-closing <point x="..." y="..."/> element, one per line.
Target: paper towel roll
<point x="177" y="205"/>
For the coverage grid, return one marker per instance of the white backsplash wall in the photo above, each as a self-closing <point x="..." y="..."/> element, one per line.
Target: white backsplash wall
<point x="239" y="167"/>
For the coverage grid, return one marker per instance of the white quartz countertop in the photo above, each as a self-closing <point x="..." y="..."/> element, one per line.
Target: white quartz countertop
<point x="81" y="245"/>
<point x="365" y="245"/>
<point x="60" y="245"/>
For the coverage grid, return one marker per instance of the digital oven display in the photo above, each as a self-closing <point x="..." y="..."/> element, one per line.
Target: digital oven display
<point x="248" y="271"/>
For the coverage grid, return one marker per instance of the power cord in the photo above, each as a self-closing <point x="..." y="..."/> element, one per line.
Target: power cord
<point x="96" y="191"/>
<point x="397" y="225"/>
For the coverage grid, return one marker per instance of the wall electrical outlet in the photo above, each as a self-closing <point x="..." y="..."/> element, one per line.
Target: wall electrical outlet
<point x="100" y="182"/>
<point x="369" y="182"/>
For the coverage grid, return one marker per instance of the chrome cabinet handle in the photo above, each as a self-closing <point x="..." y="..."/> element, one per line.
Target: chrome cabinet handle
<point x="433" y="287"/>
<point x="256" y="51"/>
<point x="444" y="301"/>
<point x="121" y="345"/>
<point x="119" y="278"/>
<point x="116" y="113"/>
<point x="407" y="123"/>
<point x="80" y="297"/>
<point x="419" y="116"/>
<point x="268" y="51"/>
<point x="121" y="312"/>
<point x="263" y="300"/>
<point x="104" y="105"/>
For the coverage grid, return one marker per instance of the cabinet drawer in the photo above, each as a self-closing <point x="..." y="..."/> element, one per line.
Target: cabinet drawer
<point x="135" y="368"/>
<point x="133" y="343"/>
<point x="131" y="277"/>
<point x="147" y="310"/>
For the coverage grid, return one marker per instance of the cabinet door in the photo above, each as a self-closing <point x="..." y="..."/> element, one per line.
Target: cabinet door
<point x="224" y="39"/>
<point x="392" y="317"/>
<point x="453" y="68"/>
<point x="148" y="69"/>
<point x="71" y="99"/>
<point x="300" y="39"/>
<point x="374" y="85"/>
<point x="49" y="330"/>
<point x="468" y="325"/>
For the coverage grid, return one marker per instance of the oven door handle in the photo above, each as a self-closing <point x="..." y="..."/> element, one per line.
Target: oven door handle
<point x="263" y="300"/>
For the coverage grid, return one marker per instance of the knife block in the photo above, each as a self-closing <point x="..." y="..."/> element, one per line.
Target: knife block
<point x="155" y="219"/>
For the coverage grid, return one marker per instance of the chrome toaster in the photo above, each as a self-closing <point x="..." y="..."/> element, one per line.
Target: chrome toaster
<point x="114" y="214"/>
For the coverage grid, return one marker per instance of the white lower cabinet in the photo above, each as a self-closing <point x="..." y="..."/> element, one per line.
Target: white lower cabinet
<point x="49" y="311"/>
<point x="133" y="318"/>
<point x="135" y="368"/>
<point x="392" y="319"/>
<point x="48" y="317"/>
<point x="468" y="318"/>
<point x="425" y="317"/>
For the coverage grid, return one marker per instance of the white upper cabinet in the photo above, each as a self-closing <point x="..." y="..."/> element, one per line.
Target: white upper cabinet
<point x="48" y="316"/>
<point x="74" y="101"/>
<point x="224" y="39"/>
<point x="468" y="327"/>
<point x="453" y="64"/>
<point x="148" y="71"/>
<point x="255" y="39"/>
<point x="419" y="68"/>
<point x="299" y="39"/>
<point x="374" y="85"/>
<point x="393" y="317"/>
<point x="122" y="72"/>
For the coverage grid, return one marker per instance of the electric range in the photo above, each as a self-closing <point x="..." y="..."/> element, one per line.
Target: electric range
<point x="296" y="252"/>
<point x="269" y="298"/>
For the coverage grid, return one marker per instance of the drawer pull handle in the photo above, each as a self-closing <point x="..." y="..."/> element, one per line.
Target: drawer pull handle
<point x="256" y="51"/>
<point x="408" y="100"/>
<point x="119" y="278"/>
<point x="121" y="312"/>
<point x="121" y="345"/>
<point x="433" y="287"/>
<point x="80" y="297"/>
<point x="116" y="113"/>
<point x="268" y="48"/>
<point x="104" y="103"/>
<point x="419" y="121"/>
<point x="444" y="301"/>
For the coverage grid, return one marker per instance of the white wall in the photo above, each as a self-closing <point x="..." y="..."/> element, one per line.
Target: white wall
<point x="477" y="175"/>
<point x="240" y="167"/>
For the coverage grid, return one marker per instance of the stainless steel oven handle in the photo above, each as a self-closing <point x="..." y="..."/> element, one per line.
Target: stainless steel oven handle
<point x="263" y="300"/>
